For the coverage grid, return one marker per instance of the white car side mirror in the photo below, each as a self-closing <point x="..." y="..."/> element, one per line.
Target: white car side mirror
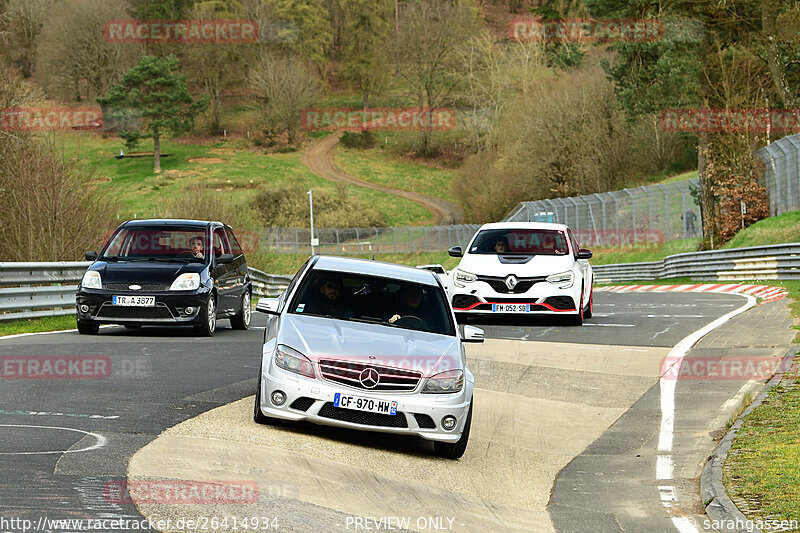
<point x="267" y="305"/>
<point x="472" y="334"/>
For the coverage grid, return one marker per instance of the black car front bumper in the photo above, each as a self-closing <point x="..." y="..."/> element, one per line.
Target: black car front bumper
<point x="171" y="307"/>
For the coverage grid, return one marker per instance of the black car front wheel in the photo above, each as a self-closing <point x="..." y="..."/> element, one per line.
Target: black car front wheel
<point x="241" y="320"/>
<point x="88" y="328"/>
<point x="208" y="316"/>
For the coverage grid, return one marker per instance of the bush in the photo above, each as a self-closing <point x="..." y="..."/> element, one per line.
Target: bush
<point x="364" y="139"/>
<point x="287" y="206"/>
<point x="52" y="211"/>
<point x="203" y="204"/>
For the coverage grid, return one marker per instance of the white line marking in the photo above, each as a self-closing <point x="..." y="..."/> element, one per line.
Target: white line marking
<point x="16" y="335"/>
<point x="613" y="325"/>
<point x="101" y="440"/>
<point x="667" y="388"/>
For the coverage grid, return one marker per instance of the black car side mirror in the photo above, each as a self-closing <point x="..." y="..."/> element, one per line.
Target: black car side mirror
<point x="225" y="259"/>
<point x="455" y="251"/>
<point x="583" y="253"/>
<point x="90" y="256"/>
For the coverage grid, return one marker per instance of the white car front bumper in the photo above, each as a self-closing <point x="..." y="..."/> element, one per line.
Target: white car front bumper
<point x="314" y="399"/>
<point x="544" y="298"/>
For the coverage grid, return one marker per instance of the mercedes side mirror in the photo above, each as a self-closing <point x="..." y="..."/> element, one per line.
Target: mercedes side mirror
<point x="472" y="334"/>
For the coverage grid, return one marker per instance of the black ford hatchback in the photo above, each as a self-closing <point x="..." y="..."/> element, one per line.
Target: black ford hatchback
<point x="166" y="272"/>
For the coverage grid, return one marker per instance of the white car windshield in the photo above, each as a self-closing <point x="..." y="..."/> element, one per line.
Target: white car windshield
<point x="520" y="242"/>
<point x="363" y="298"/>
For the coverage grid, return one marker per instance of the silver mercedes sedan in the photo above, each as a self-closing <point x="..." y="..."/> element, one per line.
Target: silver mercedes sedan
<point x="367" y="345"/>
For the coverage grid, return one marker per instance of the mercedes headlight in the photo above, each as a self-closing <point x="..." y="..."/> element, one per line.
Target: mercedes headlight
<point x="186" y="282"/>
<point x="445" y="382"/>
<point x="293" y="361"/>
<point x="460" y="277"/>
<point x="92" y="280"/>
<point x="563" y="280"/>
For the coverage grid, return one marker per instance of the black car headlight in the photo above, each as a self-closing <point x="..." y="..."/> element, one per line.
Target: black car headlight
<point x="92" y="280"/>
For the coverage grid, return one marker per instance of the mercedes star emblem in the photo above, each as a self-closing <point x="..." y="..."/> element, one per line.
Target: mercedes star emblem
<point x="369" y="378"/>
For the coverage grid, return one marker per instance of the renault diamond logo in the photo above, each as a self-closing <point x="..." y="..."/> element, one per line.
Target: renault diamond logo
<point x="511" y="282"/>
<point x="134" y="287"/>
<point x="369" y="378"/>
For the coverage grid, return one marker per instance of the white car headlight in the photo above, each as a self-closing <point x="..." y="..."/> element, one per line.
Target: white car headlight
<point x="186" y="282"/>
<point x="92" y="280"/>
<point x="293" y="361"/>
<point x="460" y="277"/>
<point x="563" y="280"/>
<point x="445" y="382"/>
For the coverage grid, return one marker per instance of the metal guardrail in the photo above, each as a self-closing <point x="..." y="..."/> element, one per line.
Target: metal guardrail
<point x="778" y="261"/>
<point x="32" y="290"/>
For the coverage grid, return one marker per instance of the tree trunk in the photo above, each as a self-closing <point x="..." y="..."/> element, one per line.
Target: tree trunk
<point x="769" y="23"/>
<point x="706" y="193"/>
<point x="156" y="151"/>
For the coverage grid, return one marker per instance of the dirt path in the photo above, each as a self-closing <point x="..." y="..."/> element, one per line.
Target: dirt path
<point x="319" y="159"/>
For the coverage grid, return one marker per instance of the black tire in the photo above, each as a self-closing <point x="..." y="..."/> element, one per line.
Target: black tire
<point x="88" y="328"/>
<point x="577" y="320"/>
<point x="454" y="450"/>
<point x="133" y="326"/>
<point x="209" y="318"/>
<point x="241" y="320"/>
<point x="590" y="306"/>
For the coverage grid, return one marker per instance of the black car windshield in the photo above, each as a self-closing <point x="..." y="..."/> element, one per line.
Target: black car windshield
<point x="520" y="242"/>
<point x="375" y="300"/>
<point x="147" y="243"/>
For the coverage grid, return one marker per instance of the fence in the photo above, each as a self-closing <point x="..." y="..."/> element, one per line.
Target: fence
<point x="31" y="290"/>
<point x="649" y="214"/>
<point x="366" y="240"/>
<point x="779" y="261"/>
<point x="782" y="174"/>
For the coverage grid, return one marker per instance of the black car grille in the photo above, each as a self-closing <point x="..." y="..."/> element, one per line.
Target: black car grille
<point x="302" y="403"/>
<point x="363" y="418"/>
<point x="125" y="287"/>
<point x="424" y="421"/>
<point x="161" y="311"/>
<point x="462" y="301"/>
<point x="563" y="303"/>
<point x="499" y="284"/>
<point x="348" y="373"/>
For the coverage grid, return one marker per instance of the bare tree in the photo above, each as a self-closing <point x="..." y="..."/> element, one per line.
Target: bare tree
<point x="75" y="60"/>
<point x="283" y="86"/>
<point x="23" y="23"/>
<point x="432" y="35"/>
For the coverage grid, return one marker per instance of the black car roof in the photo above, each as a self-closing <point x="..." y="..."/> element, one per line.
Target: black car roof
<point x="168" y="222"/>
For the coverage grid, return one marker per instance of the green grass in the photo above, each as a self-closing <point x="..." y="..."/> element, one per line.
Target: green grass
<point x="763" y="465"/>
<point x="384" y="167"/>
<point x="642" y="252"/>
<point x="231" y="169"/>
<point x="33" y="325"/>
<point x="773" y="230"/>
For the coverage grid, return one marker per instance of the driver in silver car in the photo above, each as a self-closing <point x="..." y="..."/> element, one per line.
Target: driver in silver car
<point x="410" y="304"/>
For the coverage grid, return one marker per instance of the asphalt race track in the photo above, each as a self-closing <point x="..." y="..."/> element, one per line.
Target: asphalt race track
<point x="553" y="402"/>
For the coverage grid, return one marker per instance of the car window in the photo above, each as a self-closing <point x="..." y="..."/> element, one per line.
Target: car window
<point x="221" y="245"/>
<point x="513" y="241"/>
<point x="160" y="243"/>
<point x="285" y="294"/>
<point x="363" y="298"/>
<point x="235" y="247"/>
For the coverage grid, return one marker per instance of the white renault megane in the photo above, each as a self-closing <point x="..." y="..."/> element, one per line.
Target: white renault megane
<point x="529" y="268"/>
<point x="367" y="345"/>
